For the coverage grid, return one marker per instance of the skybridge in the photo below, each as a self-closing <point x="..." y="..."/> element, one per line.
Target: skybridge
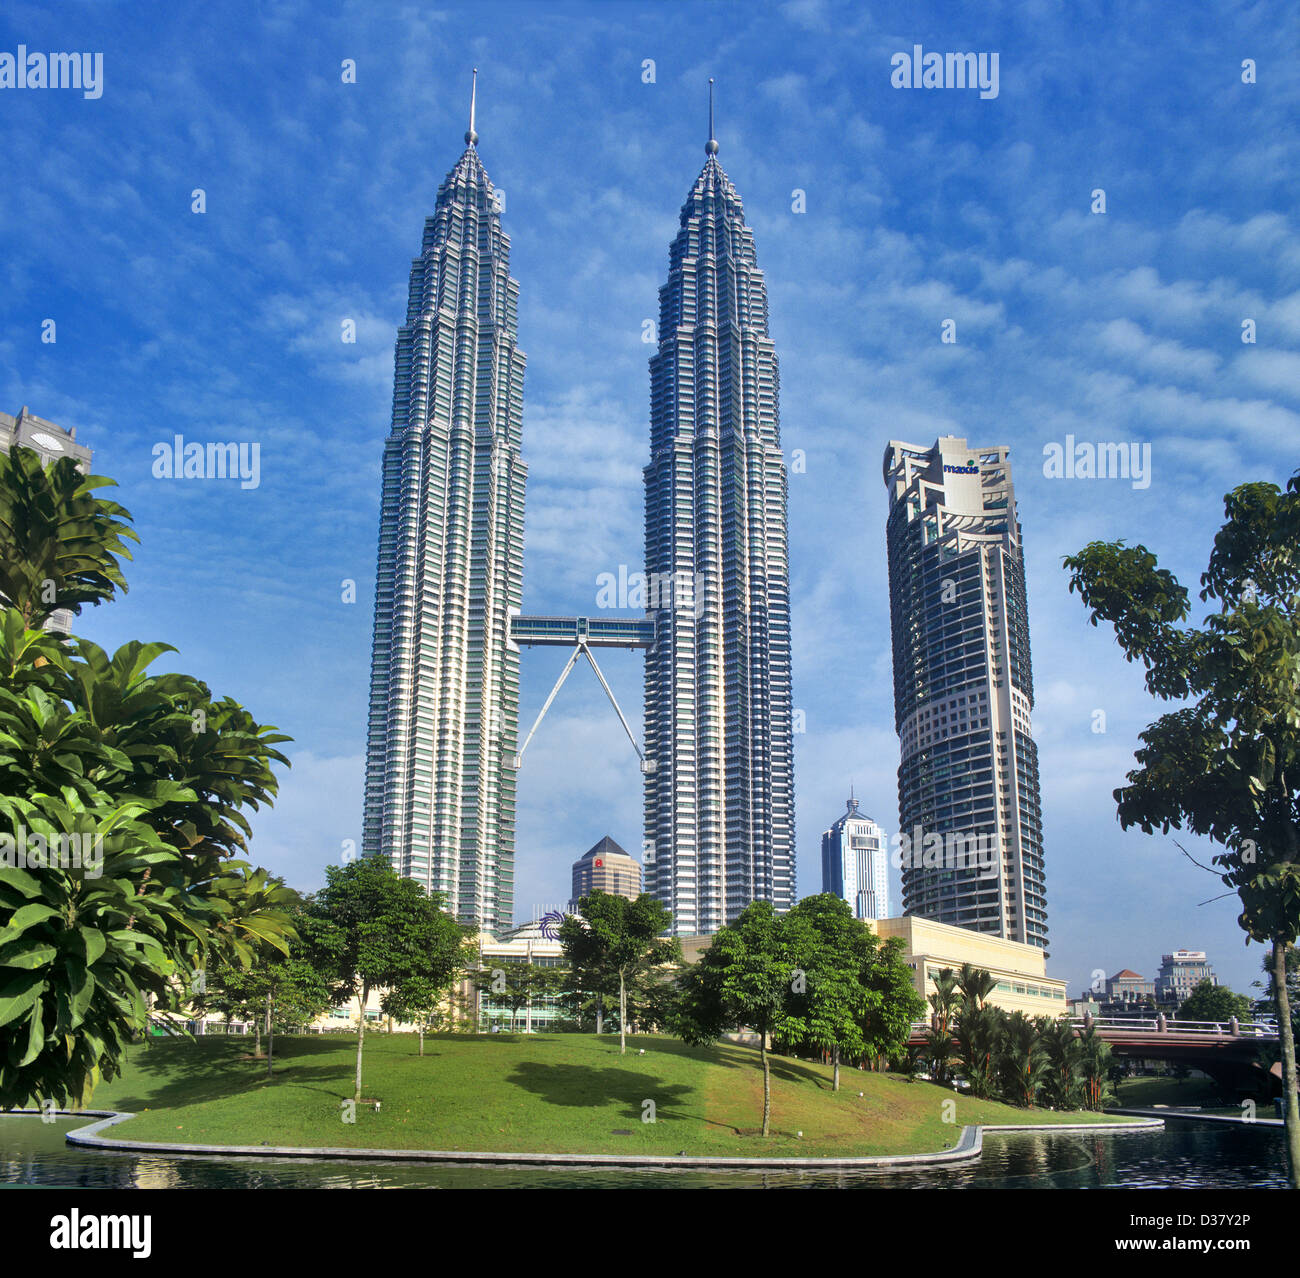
<point x="595" y="632"/>
<point x="582" y="634"/>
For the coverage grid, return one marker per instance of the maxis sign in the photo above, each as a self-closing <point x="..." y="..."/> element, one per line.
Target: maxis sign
<point x="960" y="470"/>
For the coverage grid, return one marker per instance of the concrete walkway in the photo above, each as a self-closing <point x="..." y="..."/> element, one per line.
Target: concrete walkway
<point x="967" y="1149"/>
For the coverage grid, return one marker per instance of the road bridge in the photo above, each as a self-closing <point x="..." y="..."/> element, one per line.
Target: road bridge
<point x="1228" y="1051"/>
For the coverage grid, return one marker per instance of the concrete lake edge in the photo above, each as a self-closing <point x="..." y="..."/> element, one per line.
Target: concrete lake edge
<point x="968" y="1148"/>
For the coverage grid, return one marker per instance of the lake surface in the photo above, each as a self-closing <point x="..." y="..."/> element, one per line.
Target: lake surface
<point x="1185" y="1155"/>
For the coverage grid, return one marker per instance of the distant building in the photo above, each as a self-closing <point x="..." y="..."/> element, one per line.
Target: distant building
<point x="1019" y="970"/>
<point x="855" y="863"/>
<point x="535" y="943"/>
<point x="1128" y="987"/>
<point x="44" y="437"/>
<point x="51" y="442"/>
<point x="606" y="868"/>
<point x="1181" y="972"/>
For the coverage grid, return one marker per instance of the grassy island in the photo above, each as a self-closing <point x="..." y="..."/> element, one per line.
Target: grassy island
<point x="561" y="1093"/>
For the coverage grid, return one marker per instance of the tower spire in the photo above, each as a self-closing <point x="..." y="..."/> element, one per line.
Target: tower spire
<point x="471" y="138"/>
<point x="711" y="146"/>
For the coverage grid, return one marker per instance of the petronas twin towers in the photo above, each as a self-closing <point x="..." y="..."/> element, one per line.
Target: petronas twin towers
<point x="444" y="693"/>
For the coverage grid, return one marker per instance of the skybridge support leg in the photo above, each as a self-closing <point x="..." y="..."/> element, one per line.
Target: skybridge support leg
<point x="559" y="683"/>
<point x="609" y="692"/>
<point x="647" y="765"/>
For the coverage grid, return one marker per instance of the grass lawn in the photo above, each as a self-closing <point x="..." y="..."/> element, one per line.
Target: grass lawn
<point x="561" y="1093"/>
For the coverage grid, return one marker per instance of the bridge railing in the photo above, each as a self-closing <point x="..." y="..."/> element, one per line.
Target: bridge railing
<point x="1230" y="1028"/>
<point x="1160" y="1025"/>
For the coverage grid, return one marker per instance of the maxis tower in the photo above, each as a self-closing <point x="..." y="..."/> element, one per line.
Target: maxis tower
<point x="964" y="688"/>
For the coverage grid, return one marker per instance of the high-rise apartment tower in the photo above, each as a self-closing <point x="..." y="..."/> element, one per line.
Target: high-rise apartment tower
<point x="963" y="692"/>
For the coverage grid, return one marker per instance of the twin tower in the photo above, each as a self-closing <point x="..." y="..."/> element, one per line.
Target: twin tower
<point x="443" y="740"/>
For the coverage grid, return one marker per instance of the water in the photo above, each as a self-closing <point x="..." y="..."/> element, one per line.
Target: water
<point x="1186" y="1155"/>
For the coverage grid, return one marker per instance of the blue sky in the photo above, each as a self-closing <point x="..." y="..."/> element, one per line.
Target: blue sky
<point x="920" y="206"/>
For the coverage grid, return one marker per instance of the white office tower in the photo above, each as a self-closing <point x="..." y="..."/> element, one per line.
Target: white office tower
<point x="444" y="691"/>
<point x="855" y="863"/>
<point x="719" y="789"/>
<point x="968" y="791"/>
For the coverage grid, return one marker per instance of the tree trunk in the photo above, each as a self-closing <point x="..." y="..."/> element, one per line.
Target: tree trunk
<point x="600" y="1013"/>
<point x="270" y="1036"/>
<point x="1286" y="1040"/>
<point x="767" y="1082"/>
<point x="421" y="1038"/>
<point x="835" y="1056"/>
<point x="257" y="1036"/>
<point x="622" y="1014"/>
<point x="361" y="1038"/>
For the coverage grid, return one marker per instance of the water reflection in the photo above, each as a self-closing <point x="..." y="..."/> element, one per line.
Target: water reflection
<point x="1184" y="1155"/>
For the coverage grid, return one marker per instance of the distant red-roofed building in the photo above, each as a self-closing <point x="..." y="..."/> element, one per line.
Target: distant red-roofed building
<point x="1127" y="986"/>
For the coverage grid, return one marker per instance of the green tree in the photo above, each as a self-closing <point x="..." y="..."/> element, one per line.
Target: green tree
<point x="1270" y="1053"/>
<point x="892" y="1003"/>
<point x="944" y="1003"/>
<point x="414" y="1001"/>
<point x="652" y="999"/>
<point x="584" y="1005"/>
<point x="1227" y="765"/>
<point x="1022" y="1058"/>
<point x="150" y="778"/>
<point x="59" y="543"/>
<point x="1064" y="1073"/>
<point x="276" y="990"/>
<point x="612" y="937"/>
<point x="828" y="999"/>
<point x="853" y="995"/>
<point x="974" y="984"/>
<point x="979" y="1033"/>
<point x="1210" y="1002"/>
<point x="518" y="984"/>
<point x="743" y="980"/>
<point x="374" y="930"/>
<point x="1097" y="1067"/>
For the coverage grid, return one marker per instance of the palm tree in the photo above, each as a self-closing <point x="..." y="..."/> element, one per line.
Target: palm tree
<point x="1021" y="1061"/>
<point x="944" y="999"/>
<point x="975" y="984"/>
<point x="938" y="1040"/>
<point x="938" y="1052"/>
<point x="1095" y="1064"/>
<point x="1063" y="1082"/>
<point x="59" y="543"/>
<point x="979" y="1034"/>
